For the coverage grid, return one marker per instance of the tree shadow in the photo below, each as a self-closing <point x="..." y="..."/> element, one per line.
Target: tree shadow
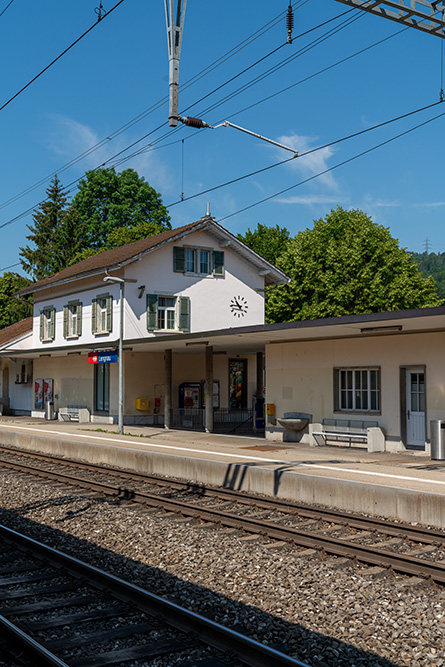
<point x="314" y="648"/>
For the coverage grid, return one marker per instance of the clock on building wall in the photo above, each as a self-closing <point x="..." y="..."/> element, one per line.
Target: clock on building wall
<point x="238" y="306"/>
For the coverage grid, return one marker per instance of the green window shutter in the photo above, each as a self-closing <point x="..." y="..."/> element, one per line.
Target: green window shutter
<point x="109" y="313"/>
<point x="79" y="319"/>
<point x="218" y="263"/>
<point x="152" y="311"/>
<point x="336" y="390"/>
<point x="65" y="321"/>
<point x="184" y="313"/>
<point x="42" y="325"/>
<point x="52" y="324"/>
<point x="94" y="316"/>
<point x="178" y="259"/>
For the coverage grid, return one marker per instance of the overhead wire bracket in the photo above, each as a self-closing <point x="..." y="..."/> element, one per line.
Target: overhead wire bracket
<point x="425" y="15"/>
<point x="201" y="124"/>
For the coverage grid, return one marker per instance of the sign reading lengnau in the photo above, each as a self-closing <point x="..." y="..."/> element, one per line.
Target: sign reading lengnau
<point x="102" y="357"/>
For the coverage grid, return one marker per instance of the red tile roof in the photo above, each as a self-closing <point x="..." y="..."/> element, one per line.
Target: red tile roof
<point x="111" y="258"/>
<point x="16" y="330"/>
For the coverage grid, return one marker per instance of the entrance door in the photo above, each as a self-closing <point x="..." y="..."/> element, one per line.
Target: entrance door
<point x="415" y="408"/>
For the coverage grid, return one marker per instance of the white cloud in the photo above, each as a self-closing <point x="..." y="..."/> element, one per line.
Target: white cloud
<point x="431" y="204"/>
<point x="312" y="164"/>
<point x="68" y="139"/>
<point x="311" y="200"/>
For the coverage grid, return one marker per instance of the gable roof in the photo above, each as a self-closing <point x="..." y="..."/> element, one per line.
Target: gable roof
<point x="14" y="331"/>
<point x="118" y="257"/>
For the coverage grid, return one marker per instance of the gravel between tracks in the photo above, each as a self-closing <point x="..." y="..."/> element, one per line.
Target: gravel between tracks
<point x="328" y="611"/>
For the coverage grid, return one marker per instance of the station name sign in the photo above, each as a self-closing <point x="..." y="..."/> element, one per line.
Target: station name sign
<point x="102" y="357"/>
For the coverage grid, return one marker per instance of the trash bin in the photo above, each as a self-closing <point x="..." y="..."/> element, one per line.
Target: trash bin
<point x="438" y="440"/>
<point x="49" y="410"/>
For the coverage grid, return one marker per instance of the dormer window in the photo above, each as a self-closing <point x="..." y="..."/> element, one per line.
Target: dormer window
<point x="198" y="261"/>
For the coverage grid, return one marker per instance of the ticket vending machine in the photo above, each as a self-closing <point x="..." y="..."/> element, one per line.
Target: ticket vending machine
<point x="190" y="395"/>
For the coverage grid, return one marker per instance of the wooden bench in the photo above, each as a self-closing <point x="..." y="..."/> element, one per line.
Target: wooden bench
<point x="350" y="429"/>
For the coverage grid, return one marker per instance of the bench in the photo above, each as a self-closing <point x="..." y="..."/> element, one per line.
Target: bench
<point x="74" y="413"/>
<point x="350" y="429"/>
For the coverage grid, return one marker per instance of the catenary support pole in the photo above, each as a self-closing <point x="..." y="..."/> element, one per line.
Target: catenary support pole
<point x="121" y="359"/>
<point x="209" y="390"/>
<point x="168" y="389"/>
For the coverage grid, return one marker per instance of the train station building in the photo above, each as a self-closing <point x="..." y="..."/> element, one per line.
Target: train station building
<point x="197" y="354"/>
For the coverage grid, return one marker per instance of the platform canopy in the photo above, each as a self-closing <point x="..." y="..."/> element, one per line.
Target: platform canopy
<point x="420" y="14"/>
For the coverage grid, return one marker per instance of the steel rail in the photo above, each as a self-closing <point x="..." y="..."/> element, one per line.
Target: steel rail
<point x="39" y="655"/>
<point x="392" y="528"/>
<point x="336" y="546"/>
<point x="247" y="650"/>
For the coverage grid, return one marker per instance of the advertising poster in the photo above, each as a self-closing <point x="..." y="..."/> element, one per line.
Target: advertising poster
<point x="48" y="390"/>
<point x="38" y="394"/>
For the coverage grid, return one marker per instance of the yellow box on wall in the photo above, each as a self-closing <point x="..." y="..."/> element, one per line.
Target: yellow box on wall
<point x="142" y="404"/>
<point x="270" y="408"/>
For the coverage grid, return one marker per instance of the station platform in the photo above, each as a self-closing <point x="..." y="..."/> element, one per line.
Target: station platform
<point x="404" y="486"/>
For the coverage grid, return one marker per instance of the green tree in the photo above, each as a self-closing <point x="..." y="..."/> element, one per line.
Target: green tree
<point x="347" y="264"/>
<point x="433" y="264"/>
<point x="121" y="236"/>
<point x="57" y="235"/>
<point x="107" y="200"/>
<point x="13" y="310"/>
<point x="269" y="242"/>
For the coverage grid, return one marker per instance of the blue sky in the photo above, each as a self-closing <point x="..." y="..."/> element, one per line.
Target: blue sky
<point x="120" y="70"/>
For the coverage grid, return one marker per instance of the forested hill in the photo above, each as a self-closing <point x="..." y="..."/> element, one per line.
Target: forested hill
<point x="432" y="264"/>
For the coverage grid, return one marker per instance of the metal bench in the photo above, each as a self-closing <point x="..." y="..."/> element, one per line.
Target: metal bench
<point x="74" y="413"/>
<point x="343" y="428"/>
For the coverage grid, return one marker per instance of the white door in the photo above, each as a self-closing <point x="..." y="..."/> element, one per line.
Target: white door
<point x="415" y="407"/>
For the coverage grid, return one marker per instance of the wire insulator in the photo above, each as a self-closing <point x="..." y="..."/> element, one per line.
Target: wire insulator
<point x="289" y="23"/>
<point x="194" y="122"/>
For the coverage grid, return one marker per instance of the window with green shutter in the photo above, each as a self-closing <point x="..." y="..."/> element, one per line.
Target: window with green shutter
<point x="218" y="263"/>
<point x="102" y="314"/>
<point x="152" y="311"/>
<point x="184" y="313"/>
<point x="178" y="259"/>
<point x="47" y="324"/>
<point x="72" y="320"/>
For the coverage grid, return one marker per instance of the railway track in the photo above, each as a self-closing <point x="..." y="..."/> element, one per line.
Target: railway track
<point x="59" y="611"/>
<point x="403" y="548"/>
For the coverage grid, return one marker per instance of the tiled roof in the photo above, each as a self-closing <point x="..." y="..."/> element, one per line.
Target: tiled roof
<point x="16" y="330"/>
<point x="111" y="258"/>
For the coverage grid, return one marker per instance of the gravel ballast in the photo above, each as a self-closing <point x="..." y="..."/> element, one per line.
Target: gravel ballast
<point x="328" y="611"/>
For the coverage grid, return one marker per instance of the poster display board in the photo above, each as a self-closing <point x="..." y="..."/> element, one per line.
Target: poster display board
<point x="38" y="394"/>
<point x="48" y="390"/>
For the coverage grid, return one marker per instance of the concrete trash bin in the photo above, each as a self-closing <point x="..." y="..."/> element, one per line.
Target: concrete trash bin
<point x="49" y="410"/>
<point x="438" y="440"/>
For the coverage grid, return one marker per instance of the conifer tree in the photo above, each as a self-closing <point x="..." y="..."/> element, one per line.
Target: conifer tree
<point x="55" y="234"/>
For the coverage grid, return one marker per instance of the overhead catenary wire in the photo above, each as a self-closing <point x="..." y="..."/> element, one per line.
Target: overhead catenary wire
<point x="45" y="69"/>
<point x="229" y="54"/>
<point x="330" y="169"/>
<point x="151" y="132"/>
<point x="4" y="10"/>
<point x="309" y="152"/>
<point x="224" y="99"/>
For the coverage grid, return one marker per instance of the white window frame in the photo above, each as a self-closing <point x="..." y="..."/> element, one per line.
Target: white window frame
<point x="101" y="315"/>
<point x="197" y="250"/>
<point x="165" y="310"/>
<point x="354" y="391"/>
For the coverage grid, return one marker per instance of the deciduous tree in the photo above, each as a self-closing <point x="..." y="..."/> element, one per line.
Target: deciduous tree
<point x="107" y="200"/>
<point x="347" y="264"/>
<point x="13" y="310"/>
<point x="269" y="242"/>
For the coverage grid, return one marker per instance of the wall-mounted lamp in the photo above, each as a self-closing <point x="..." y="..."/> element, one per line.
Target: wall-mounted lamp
<point x="141" y="289"/>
